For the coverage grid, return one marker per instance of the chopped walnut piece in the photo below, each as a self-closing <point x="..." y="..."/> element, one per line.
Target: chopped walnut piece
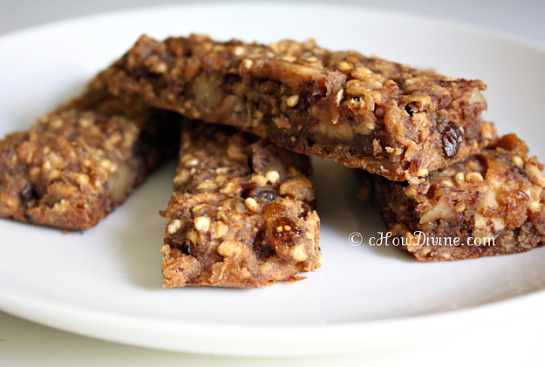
<point x="293" y="100"/>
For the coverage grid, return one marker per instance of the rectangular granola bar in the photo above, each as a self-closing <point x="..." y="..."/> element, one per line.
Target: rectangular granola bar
<point x="490" y="204"/>
<point x="365" y="112"/>
<point x="79" y="162"/>
<point x="241" y="213"/>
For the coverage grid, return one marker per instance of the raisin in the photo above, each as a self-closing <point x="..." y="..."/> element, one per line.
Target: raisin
<point x="512" y="143"/>
<point x="184" y="247"/>
<point x="306" y="209"/>
<point x="256" y="192"/>
<point x="452" y="138"/>
<point x="28" y="195"/>
<point x="262" y="251"/>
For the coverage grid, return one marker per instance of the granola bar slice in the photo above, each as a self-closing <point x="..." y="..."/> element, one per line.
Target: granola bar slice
<point x="241" y="214"/>
<point x="490" y="204"/>
<point x="79" y="162"/>
<point x="365" y="112"/>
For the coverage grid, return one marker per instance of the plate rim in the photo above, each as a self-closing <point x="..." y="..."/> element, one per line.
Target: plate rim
<point x="488" y="31"/>
<point x="12" y="303"/>
<point x="301" y="340"/>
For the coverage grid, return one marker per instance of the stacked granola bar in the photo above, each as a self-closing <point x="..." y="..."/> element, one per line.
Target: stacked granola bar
<point x="417" y="131"/>
<point x="492" y="203"/>
<point x="364" y="112"/>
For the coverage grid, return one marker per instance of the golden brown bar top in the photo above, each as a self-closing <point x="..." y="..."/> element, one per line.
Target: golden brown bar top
<point x="365" y="112"/>
<point x="241" y="214"/>
<point x="79" y="162"/>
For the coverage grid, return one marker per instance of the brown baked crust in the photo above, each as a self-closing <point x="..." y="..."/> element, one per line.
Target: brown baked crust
<point x="241" y="214"/>
<point x="364" y="112"/>
<point x="493" y="203"/>
<point x="79" y="162"/>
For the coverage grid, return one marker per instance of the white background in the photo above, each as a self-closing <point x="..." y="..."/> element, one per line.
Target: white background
<point x="23" y="343"/>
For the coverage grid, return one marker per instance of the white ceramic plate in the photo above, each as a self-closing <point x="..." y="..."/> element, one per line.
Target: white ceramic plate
<point x="106" y="282"/>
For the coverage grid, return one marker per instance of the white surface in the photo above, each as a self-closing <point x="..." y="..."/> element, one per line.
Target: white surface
<point x="521" y="17"/>
<point x="359" y="300"/>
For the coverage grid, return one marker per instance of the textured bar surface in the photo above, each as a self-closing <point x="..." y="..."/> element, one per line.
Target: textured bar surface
<point x="241" y="214"/>
<point x="365" y="112"/>
<point x="490" y="204"/>
<point x="79" y="162"/>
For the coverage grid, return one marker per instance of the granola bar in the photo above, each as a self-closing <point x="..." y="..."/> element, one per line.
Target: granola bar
<point x="365" y="112"/>
<point x="79" y="162"/>
<point x="490" y="204"/>
<point x="241" y="213"/>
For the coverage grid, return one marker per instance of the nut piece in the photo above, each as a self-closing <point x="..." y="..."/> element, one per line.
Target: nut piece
<point x="175" y="225"/>
<point x="517" y="161"/>
<point x="251" y="205"/>
<point x="259" y="179"/>
<point x="292" y="100"/>
<point x="193" y="162"/>
<point x="535" y="174"/>
<point x="273" y="177"/>
<point x="422" y="172"/>
<point x="299" y="253"/>
<point x="202" y="224"/>
<point x="231" y="188"/>
<point x="474" y="177"/>
<point x="460" y="177"/>
<point x="344" y="66"/>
